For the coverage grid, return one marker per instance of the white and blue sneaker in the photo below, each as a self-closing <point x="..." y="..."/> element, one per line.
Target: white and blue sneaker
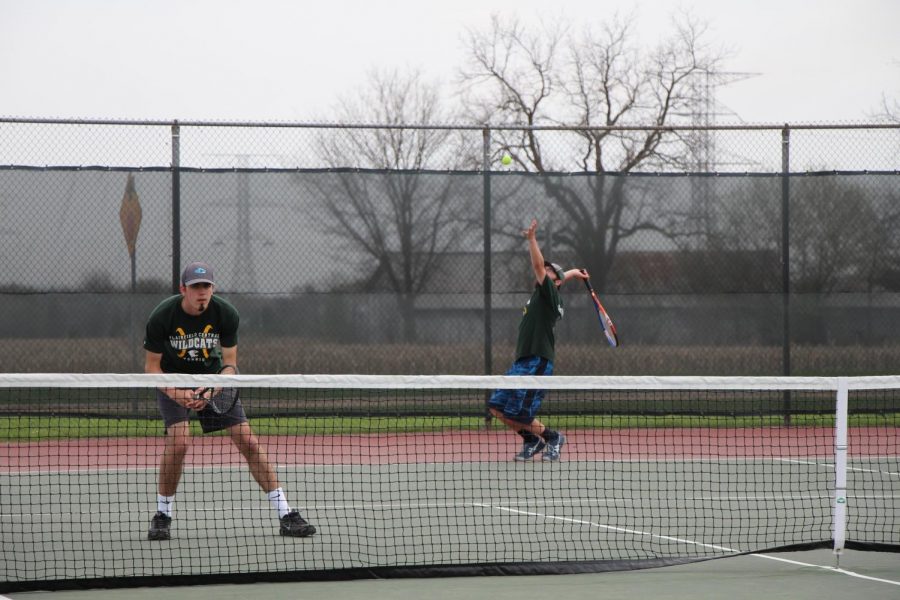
<point x="529" y="449"/>
<point x="551" y="454"/>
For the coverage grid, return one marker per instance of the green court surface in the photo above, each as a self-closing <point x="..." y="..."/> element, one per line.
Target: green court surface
<point x="420" y="514"/>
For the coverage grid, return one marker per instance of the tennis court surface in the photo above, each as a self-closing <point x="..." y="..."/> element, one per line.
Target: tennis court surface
<point x="402" y="478"/>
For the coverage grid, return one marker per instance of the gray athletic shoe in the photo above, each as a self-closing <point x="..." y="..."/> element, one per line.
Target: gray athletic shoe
<point x="159" y="527"/>
<point x="530" y="449"/>
<point x="551" y="454"/>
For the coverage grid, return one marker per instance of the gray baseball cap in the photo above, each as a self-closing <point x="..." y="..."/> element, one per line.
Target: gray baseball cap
<point x="560" y="273"/>
<point x="197" y="272"/>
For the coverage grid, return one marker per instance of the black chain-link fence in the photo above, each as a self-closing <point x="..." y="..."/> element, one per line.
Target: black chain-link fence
<point x="364" y="249"/>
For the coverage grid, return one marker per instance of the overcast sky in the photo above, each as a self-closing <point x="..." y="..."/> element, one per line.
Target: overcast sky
<point x="816" y="60"/>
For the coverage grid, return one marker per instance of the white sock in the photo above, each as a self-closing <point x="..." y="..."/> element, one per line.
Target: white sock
<point x="279" y="502"/>
<point x="164" y="504"/>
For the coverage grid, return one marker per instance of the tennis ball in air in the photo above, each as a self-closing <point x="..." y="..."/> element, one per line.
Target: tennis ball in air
<point x="506" y="160"/>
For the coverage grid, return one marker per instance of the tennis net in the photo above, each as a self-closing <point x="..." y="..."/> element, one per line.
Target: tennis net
<point x="408" y="476"/>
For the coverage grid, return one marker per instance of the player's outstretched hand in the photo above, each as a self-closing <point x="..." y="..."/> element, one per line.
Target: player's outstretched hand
<point x="531" y="231"/>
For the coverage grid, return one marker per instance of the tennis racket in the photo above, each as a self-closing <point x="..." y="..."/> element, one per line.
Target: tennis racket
<point x="220" y="400"/>
<point x="609" y="330"/>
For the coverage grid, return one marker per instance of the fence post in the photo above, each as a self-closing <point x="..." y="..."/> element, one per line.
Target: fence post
<point x="176" y="207"/>
<point x="488" y="341"/>
<point x="786" y="264"/>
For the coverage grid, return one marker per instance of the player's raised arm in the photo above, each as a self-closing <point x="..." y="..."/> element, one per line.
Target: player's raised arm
<point x="581" y="274"/>
<point x="537" y="259"/>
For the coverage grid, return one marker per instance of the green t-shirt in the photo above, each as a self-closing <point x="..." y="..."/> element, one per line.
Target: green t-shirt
<point x="542" y="311"/>
<point x="191" y="344"/>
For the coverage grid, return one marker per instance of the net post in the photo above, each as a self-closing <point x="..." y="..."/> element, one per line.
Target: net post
<point x="840" y="469"/>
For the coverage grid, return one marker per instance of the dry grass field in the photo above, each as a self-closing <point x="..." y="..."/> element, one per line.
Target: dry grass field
<point x="299" y="355"/>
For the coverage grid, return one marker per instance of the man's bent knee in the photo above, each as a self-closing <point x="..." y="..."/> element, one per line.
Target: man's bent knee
<point x="178" y="437"/>
<point x="242" y="437"/>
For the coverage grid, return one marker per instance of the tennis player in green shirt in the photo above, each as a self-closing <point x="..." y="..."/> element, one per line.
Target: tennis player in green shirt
<point x="196" y="332"/>
<point x="535" y="353"/>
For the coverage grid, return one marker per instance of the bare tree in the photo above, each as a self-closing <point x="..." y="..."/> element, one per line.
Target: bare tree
<point x="890" y="107"/>
<point x="596" y="79"/>
<point x="388" y="209"/>
<point x="890" y="110"/>
<point x="393" y="98"/>
<point x="842" y="234"/>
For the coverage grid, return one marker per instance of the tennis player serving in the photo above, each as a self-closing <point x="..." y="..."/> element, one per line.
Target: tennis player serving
<point x="196" y="332"/>
<point x="535" y="352"/>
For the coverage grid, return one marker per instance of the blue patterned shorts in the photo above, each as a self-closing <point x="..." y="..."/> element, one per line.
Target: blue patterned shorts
<point x="522" y="405"/>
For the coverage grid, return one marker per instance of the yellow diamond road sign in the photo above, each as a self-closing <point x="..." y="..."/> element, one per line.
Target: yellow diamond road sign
<point x="130" y="215"/>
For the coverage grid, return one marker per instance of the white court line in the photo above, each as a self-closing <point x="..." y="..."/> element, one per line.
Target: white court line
<point x="827" y="568"/>
<point x="689" y="542"/>
<point x="190" y="506"/>
<point x="89" y="470"/>
<point x="608" y="527"/>
<point x="831" y="466"/>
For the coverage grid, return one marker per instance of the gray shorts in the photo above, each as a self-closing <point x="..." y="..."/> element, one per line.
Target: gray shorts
<point x="173" y="413"/>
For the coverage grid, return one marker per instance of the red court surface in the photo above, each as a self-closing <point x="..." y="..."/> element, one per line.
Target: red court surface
<point x="455" y="447"/>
